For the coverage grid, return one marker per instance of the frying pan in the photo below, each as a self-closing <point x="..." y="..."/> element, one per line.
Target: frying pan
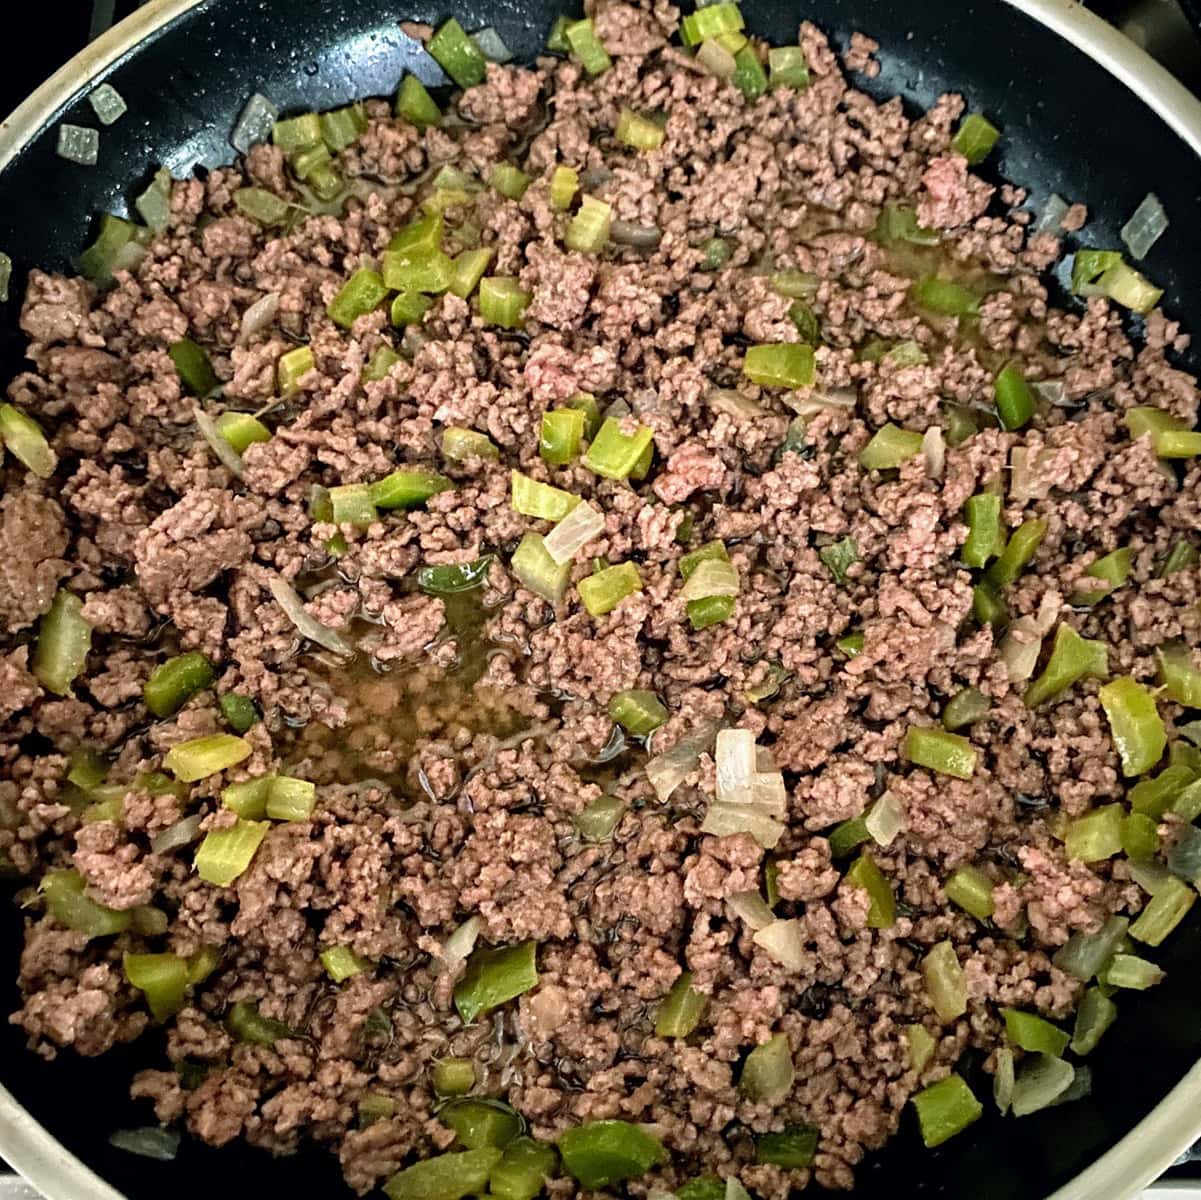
<point x="1084" y="114"/>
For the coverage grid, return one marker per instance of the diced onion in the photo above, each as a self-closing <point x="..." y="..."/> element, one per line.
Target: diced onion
<point x="668" y="770"/>
<point x="182" y="833"/>
<point x="1003" y="1080"/>
<point x="768" y="792"/>
<point x="716" y="59"/>
<point x="1042" y="1081"/>
<point x="1051" y="219"/>
<point x="641" y="237"/>
<point x="573" y="532"/>
<point x="734" y="404"/>
<point x="735" y="1190"/>
<point x="1146" y="226"/>
<point x="885" y="819"/>
<point x="1084" y="954"/>
<point x="1026" y="478"/>
<point x="934" y="449"/>
<point x="78" y="144"/>
<point x="255" y="123"/>
<point x="457" y="948"/>
<point x="713" y="577"/>
<point x="492" y="46"/>
<point x="289" y="600"/>
<point x="258" y="316"/>
<point x="723" y="820"/>
<point x="783" y="942"/>
<point x="229" y="457"/>
<point x="751" y="908"/>
<point x="736" y="765"/>
<point x="108" y="104"/>
<point x="1051" y="391"/>
<point x="1023" y="642"/>
<point x="810" y="405"/>
<point x="764" y="762"/>
<point x="150" y="1142"/>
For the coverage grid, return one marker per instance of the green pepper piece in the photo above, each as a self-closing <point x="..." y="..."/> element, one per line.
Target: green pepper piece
<point x="162" y="978"/>
<point x="838" y="557"/>
<point x="850" y="646"/>
<point x="768" y="1073"/>
<point x="975" y="138"/>
<point x="965" y="708"/>
<point x="938" y="750"/>
<point x="972" y="890"/>
<point x="985" y="534"/>
<point x="450" y="579"/>
<point x="1112" y="571"/>
<point x="1019" y="550"/>
<point x="86" y="769"/>
<point x="606" y="1152"/>
<point x="1179" y="675"/>
<point x="703" y="1187"/>
<point x="1072" y="659"/>
<point x="173" y="683"/>
<point x="1097" y="1012"/>
<point x="1015" y="401"/>
<point x="1096" y="835"/>
<point x="681" y="1010"/>
<point x="374" y="1106"/>
<point x="193" y="367"/>
<point x="945" y="297"/>
<point x="944" y="1109"/>
<point x="882" y="911"/>
<point x="239" y="711"/>
<point x="479" y="1124"/>
<point x="407" y="488"/>
<point x="1140" y="836"/>
<point x="562" y="434"/>
<point x="494" y="977"/>
<point x="1180" y="557"/>
<point x="987" y="606"/>
<point x="1134" y="721"/>
<point x="793" y="1147"/>
<point x="889" y="448"/>
<point x="846" y="835"/>
<point x="247" y="1024"/>
<point x="64" y="639"/>
<point x="445" y="1177"/>
<point x="1033" y="1033"/>
<point x="67" y="902"/>
<point x="640" y="712"/>
<point x="524" y="1170"/>
<point x="454" y="1076"/>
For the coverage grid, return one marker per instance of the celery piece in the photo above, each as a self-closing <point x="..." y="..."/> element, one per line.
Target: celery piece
<point x="162" y="978"/>
<point x="249" y="1025"/>
<point x="1130" y="971"/>
<point x="351" y="504"/>
<point x="985" y="531"/>
<point x="702" y="1187"/>
<point x="241" y="430"/>
<point x="64" y="640"/>
<point x="637" y="131"/>
<point x="248" y="798"/>
<point x="290" y="799"/>
<point x="793" y="1147"/>
<point x="193" y="367"/>
<point x="564" y="183"/>
<point x="638" y="711"/>
<point x="408" y="488"/>
<point x="598" y="820"/>
<point x="945" y="983"/>
<point x="587" y="47"/>
<point x="586" y="403"/>
<point x="1134" y="721"/>
<point x="173" y="683"/>
<point x="1179" y="674"/>
<point x="882" y="911"/>
<point x="534" y="499"/>
<point x="588" y="230"/>
<point x="897" y="223"/>
<point x="556" y="40"/>
<point x="503" y="302"/>
<point x="562" y="435"/>
<point x="342" y="126"/>
<point x="768" y="1073"/>
<point x="418" y="239"/>
<point x="374" y="1106"/>
<point x="1033" y="1033"/>
<point x="26" y="442"/>
<point x="1127" y="287"/>
<point x="426" y="272"/>
<point x="1096" y="1013"/>
<point x="1165" y="910"/>
<point x="297" y="133"/>
<point x="537" y="571"/>
<point x="681" y="1010"/>
<point x="381" y="364"/>
<point x="1023" y="544"/>
<point x="615" y="454"/>
<point x="1084" y="954"/>
<point x="292" y="368"/>
<point x="494" y="977"/>
<point x="453" y="1076"/>
<point x="808" y="328"/>
<point x="1140" y="836"/>
<point x="971" y="890"/>
<point x="788" y="67"/>
<point x="1072" y="658"/>
<point x="975" y="138"/>
<point x="458" y="55"/>
<point x="604" y="591"/>
<point x="938" y="750"/>
<point x="67" y="902"/>
<point x="86" y="769"/>
<point x="921" y="1045"/>
<point x="226" y="853"/>
<point x="965" y="708"/>
<point x="118" y="246"/>
<point x="467" y="269"/>
<point x="783" y="364"/>
<point x="839" y="557"/>
<point x="363" y="292"/>
<point x="711" y="21"/>
<point x="312" y="162"/>
<point x="481" y="1123"/>
<point x="889" y="448"/>
<point x="945" y="297"/>
<point x="523" y="1171"/>
<point x="408" y="308"/>
<point x="341" y="962"/>
<point x="1095" y="836"/>
<point x="749" y="77"/>
<point x="416" y="105"/>
<point x="944" y="1109"/>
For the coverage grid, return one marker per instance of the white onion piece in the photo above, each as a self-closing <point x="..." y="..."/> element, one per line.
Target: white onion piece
<point x="736" y="765"/>
<point x="1026" y="478"/>
<point x="573" y="532"/>
<point x="751" y="908"/>
<point x="1023" y="642"/>
<point x="1003" y="1080"/>
<point x="934" y="448"/>
<point x="162" y="1145"/>
<point x="734" y="404"/>
<point x="668" y="770"/>
<point x="258" y="316"/>
<point x="129" y="257"/>
<point x="78" y="144"/>
<point x="492" y="46"/>
<point x="885" y="819"/>
<point x="229" y="457"/>
<point x="1084" y="954"/>
<point x="1051" y="391"/>
<point x="108" y="104"/>
<point x="714" y="577"/>
<point x="768" y="792"/>
<point x="735" y="1190"/>
<point x="716" y="59"/>
<point x="254" y="124"/>
<point x="1051" y="220"/>
<point x="458" y="947"/>
<point x="182" y="833"/>
<point x="723" y="820"/>
<point x="1146" y="226"/>
<point x="815" y="402"/>
<point x="1042" y="1081"/>
<point x="287" y="597"/>
<point x="783" y="942"/>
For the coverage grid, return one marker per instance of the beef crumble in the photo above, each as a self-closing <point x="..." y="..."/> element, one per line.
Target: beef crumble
<point x="453" y="758"/>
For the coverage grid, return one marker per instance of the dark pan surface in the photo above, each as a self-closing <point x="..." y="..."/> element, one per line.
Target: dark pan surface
<point x="1069" y="127"/>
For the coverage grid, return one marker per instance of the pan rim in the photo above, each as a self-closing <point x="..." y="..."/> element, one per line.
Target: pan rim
<point x="1174" y="1124"/>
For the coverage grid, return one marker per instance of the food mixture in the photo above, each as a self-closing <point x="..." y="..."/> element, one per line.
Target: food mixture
<point x="599" y="633"/>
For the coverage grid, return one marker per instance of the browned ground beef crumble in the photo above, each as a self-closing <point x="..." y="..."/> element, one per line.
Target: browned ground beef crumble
<point x="449" y="777"/>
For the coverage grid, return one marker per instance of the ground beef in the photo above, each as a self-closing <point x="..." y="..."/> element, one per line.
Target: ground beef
<point x="470" y="780"/>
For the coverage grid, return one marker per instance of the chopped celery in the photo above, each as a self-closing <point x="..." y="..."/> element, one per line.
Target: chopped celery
<point x="453" y="1076"/>
<point x="1072" y="658"/>
<point x="68" y="903"/>
<point x="162" y="978"/>
<point x="615" y="454"/>
<point x="118" y="246"/>
<point x="202" y="964"/>
<point x="782" y="364"/>
<point x="1130" y="971"/>
<point x="586" y="404"/>
<point x="193" y="367"/>
<point x="445" y="1176"/>
<point x="1084" y="954"/>
<point x="173" y="683"/>
<point x="944" y="1109"/>
<point x="417" y="271"/>
<point x="241" y="430"/>
<point x="562" y="435"/>
<point x="1095" y="836"/>
<point x="1134" y="721"/>
<point x="711" y="21"/>
<point x="341" y="126"/>
<point x="481" y="1123"/>
<point x="598" y="820"/>
<point x="86" y="769"/>
<point x="1127" y="287"/>
<point x="564" y="183"/>
<point x="788" y="67"/>
<point x="1019" y="550"/>
<point x="985" y="530"/>
<point x="502" y="301"/>
<point x="26" y="442"/>
<point x="408" y="488"/>
<point x="556" y="40"/>
<point x="702" y="1187"/>
<point x="467" y="269"/>
<point x="1031" y="1032"/>
<point x="839" y="557"/>
<point x="749" y="77"/>
<point x="248" y="797"/>
<point x="607" y="588"/>
<point x="292" y="368"/>
<point x="416" y="105"/>
<point x="944" y="297"/>
<point x="637" y="131"/>
<point x="889" y="448"/>
<point x="374" y="1106"/>
<point x="408" y="308"/>
<point x="587" y="47"/>
<point x="945" y="983"/>
<point x="1140" y="836"/>
<point x="534" y="499"/>
<point x="975" y="138"/>
<point x="965" y="708"/>
<point x="1179" y="674"/>
<point x="1097" y="1012"/>
<point x="601" y="1153"/>
<point x="494" y="977"/>
<point x="768" y="1073"/>
<point x="938" y="750"/>
<point x="972" y="890"/>
<point x="363" y="292"/>
<point x="290" y="799"/>
<point x="458" y="55"/>
<point x="638" y="711"/>
<point x="1165" y="910"/>
<point x="297" y="133"/>
<point x="588" y="230"/>
<point x="681" y="1010"/>
<point x="987" y="607"/>
<point x="351" y="504"/>
<point x="793" y="1147"/>
<point x="882" y="910"/>
<point x="64" y="640"/>
<point x="921" y="1045"/>
<point x="537" y="571"/>
<point x="226" y="853"/>
<point x="899" y="224"/>
<point x="523" y="1171"/>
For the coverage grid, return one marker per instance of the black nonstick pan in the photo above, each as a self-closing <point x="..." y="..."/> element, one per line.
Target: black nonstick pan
<point x="1084" y="114"/>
